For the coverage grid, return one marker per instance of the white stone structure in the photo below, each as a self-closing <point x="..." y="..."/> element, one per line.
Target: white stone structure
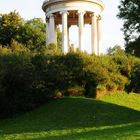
<point x="74" y="12"/>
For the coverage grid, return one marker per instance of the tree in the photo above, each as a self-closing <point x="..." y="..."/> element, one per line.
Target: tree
<point x="30" y="33"/>
<point x="134" y="85"/>
<point x="134" y="47"/>
<point x="9" y="27"/>
<point x="33" y="33"/>
<point x="130" y="13"/>
<point x="115" y="50"/>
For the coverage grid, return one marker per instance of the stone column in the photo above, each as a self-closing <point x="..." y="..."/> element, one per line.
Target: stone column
<point x="94" y="35"/>
<point x="68" y="37"/>
<point x="64" y="32"/>
<point x="47" y="31"/>
<point x="81" y="29"/>
<point x="99" y="44"/>
<point x="52" y="30"/>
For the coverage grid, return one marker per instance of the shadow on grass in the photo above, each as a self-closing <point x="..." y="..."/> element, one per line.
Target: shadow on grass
<point x="122" y="132"/>
<point x="71" y="113"/>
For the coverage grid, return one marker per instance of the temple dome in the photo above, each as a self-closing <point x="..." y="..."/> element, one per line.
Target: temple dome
<point x="76" y="4"/>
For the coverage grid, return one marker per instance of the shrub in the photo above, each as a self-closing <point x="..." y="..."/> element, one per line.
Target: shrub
<point x="17" y="87"/>
<point x="18" y="47"/>
<point x="58" y="94"/>
<point x="134" y="85"/>
<point x="119" y="81"/>
<point x="101" y="91"/>
<point x="29" y="79"/>
<point x="75" y="91"/>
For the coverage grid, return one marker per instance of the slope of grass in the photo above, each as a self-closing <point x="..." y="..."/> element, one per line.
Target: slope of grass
<point x="121" y="98"/>
<point x="113" y="117"/>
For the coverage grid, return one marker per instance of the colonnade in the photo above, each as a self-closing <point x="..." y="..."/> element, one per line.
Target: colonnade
<point x="96" y="39"/>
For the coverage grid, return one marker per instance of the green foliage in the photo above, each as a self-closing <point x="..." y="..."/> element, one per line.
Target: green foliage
<point x="32" y="34"/>
<point x="115" y="50"/>
<point x="17" y="87"/>
<point x="134" y="85"/>
<point x="117" y="82"/>
<point x="31" y="74"/>
<point x="17" y="47"/>
<point x="129" y="12"/>
<point x="4" y="50"/>
<point x="58" y="94"/>
<point x="75" y="91"/>
<point x="52" y="49"/>
<point x="133" y="47"/>
<point x="10" y="25"/>
<point x="29" y="78"/>
<point x="18" y="91"/>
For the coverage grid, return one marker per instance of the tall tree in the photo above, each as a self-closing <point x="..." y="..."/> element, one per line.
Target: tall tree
<point x="9" y="27"/>
<point x="33" y="33"/>
<point x="30" y="33"/>
<point x="130" y="13"/>
<point x="115" y="50"/>
<point x="133" y="47"/>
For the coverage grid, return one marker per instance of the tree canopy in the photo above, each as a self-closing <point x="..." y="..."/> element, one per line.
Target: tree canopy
<point x="9" y="27"/>
<point x="134" y="47"/>
<point x="32" y="34"/>
<point x="130" y="13"/>
<point x="115" y="50"/>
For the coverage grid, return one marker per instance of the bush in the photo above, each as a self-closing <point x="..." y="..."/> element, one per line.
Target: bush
<point x="75" y="91"/>
<point x="134" y="85"/>
<point x="118" y="81"/>
<point x="18" y="47"/>
<point x="17" y="84"/>
<point x="101" y="91"/>
<point x="58" y="94"/>
<point x="29" y="79"/>
<point x="18" y="92"/>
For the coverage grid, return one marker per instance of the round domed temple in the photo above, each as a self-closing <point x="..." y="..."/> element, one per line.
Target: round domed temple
<point x="74" y="12"/>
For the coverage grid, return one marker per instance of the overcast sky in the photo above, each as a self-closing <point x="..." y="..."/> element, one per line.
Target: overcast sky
<point x="112" y="34"/>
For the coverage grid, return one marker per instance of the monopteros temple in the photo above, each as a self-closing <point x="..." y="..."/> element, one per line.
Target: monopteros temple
<point x="74" y="12"/>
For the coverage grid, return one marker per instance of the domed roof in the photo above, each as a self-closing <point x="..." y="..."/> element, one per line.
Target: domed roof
<point x="68" y="0"/>
<point x="46" y="3"/>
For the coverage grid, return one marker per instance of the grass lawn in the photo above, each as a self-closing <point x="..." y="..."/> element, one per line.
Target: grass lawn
<point x="114" y="117"/>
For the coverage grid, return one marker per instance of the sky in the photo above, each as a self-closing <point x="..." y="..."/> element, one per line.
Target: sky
<point x="112" y="34"/>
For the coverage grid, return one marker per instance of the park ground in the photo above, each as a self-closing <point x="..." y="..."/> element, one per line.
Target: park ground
<point x="113" y="117"/>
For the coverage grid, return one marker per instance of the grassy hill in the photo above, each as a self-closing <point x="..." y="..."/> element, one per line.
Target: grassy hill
<point x="113" y="117"/>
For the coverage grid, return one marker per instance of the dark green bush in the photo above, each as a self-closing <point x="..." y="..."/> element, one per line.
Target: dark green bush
<point x="75" y="91"/>
<point x="134" y="85"/>
<point x="29" y="79"/>
<point x="20" y="89"/>
<point x="17" y="84"/>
